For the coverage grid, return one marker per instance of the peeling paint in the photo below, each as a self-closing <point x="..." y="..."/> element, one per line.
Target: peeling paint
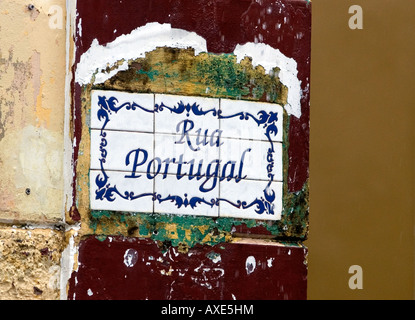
<point x="269" y="58"/>
<point x="215" y="257"/>
<point x="250" y="264"/>
<point x="130" y="258"/>
<point x="198" y="274"/>
<point x="101" y="63"/>
<point x="133" y="46"/>
<point x="69" y="260"/>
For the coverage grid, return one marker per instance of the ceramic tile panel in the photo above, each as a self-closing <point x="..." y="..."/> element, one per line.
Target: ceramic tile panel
<point x="186" y="114"/>
<point x="251" y="120"/>
<point x="122" y="111"/>
<point x="122" y="151"/>
<point x="251" y="199"/>
<point x="184" y="155"/>
<point x="187" y="196"/>
<point x="110" y="190"/>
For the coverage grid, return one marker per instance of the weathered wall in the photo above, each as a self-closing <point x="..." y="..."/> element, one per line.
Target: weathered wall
<point x="112" y="58"/>
<point x="41" y="226"/>
<point x="32" y="64"/>
<point x="36" y="123"/>
<point x="30" y="263"/>
<point x="32" y="82"/>
<point x="361" y="156"/>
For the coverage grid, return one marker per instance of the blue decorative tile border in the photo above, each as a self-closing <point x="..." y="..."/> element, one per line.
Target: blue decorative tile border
<point x="106" y="191"/>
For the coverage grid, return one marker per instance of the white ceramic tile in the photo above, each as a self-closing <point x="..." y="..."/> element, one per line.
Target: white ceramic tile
<point x="247" y="192"/>
<point x="182" y="159"/>
<point x="172" y="192"/>
<point x="126" y="198"/>
<point x="130" y="117"/>
<point x="248" y="128"/>
<point x="249" y="159"/>
<point x="171" y="122"/>
<point x="120" y="147"/>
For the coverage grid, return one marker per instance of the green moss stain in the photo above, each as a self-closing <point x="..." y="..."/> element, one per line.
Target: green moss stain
<point x="224" y="75"/>
<point x="179" y="71"/>
<point x="214" y="256"/>
<point x="187" y="231"/>
<point x="101" y="237"/>
<point x="150" y="73"/>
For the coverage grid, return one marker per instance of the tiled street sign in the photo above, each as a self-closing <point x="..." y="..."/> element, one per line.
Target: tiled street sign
<point x="186" y="155"/>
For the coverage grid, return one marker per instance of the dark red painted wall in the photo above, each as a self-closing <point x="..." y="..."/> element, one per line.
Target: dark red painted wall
<point x="220" y="272"/>
<point x="280" y="272"/>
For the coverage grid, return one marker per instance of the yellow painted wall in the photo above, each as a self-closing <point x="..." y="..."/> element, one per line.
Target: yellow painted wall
<point x="32" y="82"/>
<point x="362" y="150"/>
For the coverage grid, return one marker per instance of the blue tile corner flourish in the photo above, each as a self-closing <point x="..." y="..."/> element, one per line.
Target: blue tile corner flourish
<point x="107" y="192"/>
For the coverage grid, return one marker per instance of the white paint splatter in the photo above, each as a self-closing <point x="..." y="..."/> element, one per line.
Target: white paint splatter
<point x="69" y="259"/>
<point x="80" y="27"/>
<point x="175" y="253"/>
<point x="269" y="262"/>
<point x="130" y="257"/>
<point x="250" y="264"/>
<point x="217" y="259"/>
<point x="89" y="292"/>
